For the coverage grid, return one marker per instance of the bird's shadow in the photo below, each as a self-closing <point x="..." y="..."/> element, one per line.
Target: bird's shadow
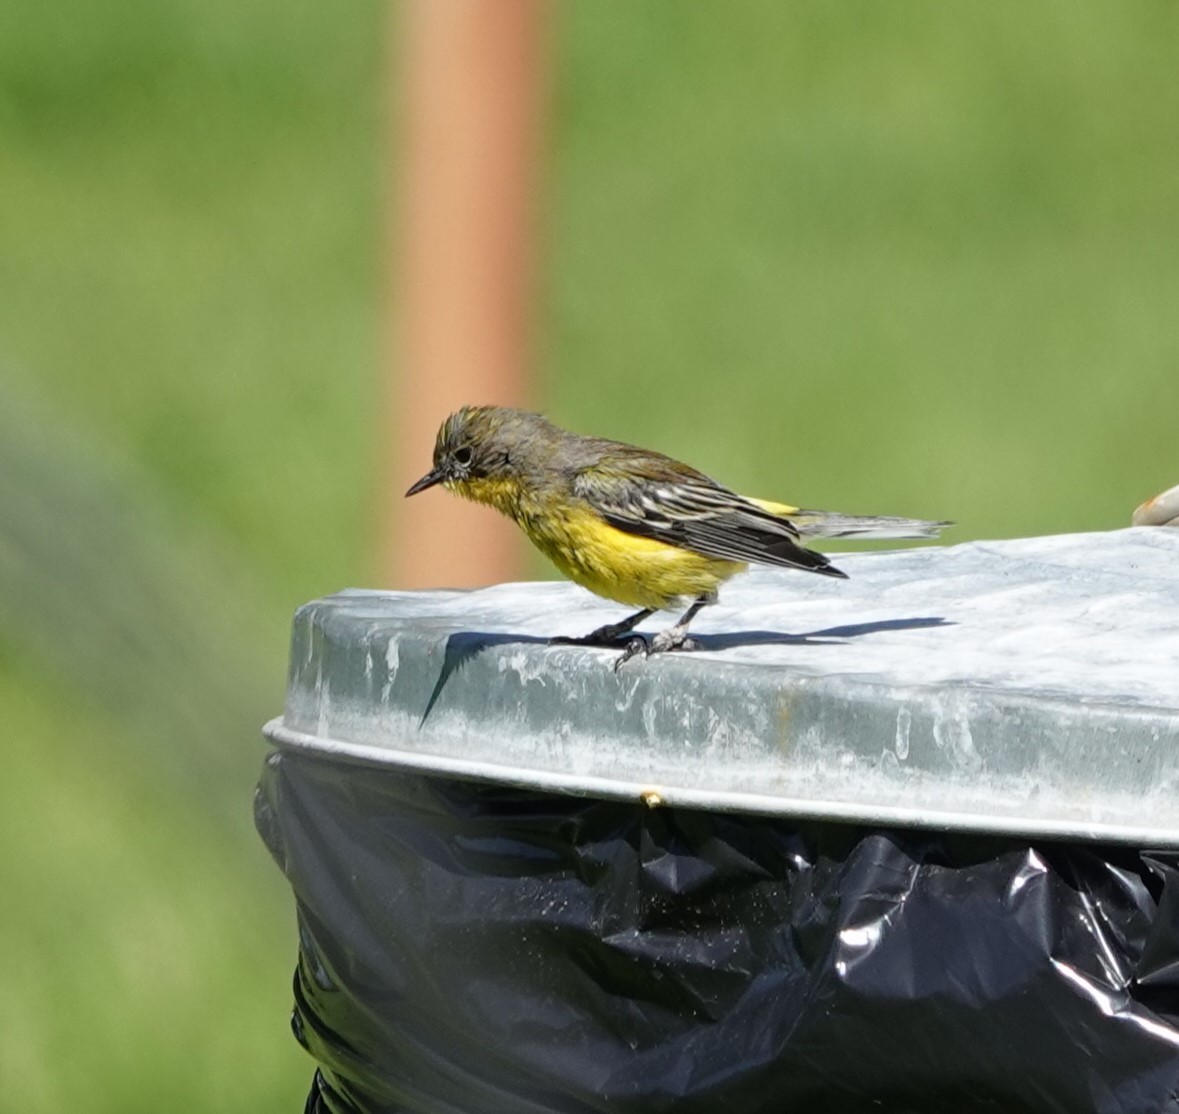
<point x="463" y="647"/>
<point x="816" y="637"/>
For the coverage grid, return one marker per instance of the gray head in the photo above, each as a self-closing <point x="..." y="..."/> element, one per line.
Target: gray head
<point x="487" y="442"/>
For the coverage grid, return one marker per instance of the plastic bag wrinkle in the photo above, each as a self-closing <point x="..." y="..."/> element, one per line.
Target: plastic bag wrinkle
<point x="476" y="948"/>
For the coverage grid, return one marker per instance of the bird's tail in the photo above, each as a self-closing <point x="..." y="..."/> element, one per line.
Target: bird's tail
<point x="830" y="524"/>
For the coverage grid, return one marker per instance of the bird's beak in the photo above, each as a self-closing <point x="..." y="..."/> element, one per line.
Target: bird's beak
<point x="434" y="476"/>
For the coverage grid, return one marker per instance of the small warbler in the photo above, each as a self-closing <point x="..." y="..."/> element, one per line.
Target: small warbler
<point x="630" y="524"/>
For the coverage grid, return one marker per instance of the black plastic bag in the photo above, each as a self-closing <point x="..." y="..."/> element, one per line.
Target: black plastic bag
<point x="474" y="948"/>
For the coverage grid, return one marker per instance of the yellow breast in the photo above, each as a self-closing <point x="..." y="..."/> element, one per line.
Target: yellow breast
<point x="639" y="572"/>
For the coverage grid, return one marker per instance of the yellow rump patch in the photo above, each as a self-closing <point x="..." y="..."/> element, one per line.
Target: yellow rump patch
<point x="774" y="508"/>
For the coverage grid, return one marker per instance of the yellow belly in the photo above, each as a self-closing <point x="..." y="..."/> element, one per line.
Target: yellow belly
<point x="640" y="572"/>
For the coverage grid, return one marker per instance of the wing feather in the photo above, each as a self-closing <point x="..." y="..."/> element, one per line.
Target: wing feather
<point x="695" y="513"/>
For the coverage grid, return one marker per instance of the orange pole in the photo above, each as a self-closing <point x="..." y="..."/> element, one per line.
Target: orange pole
<point x="470" y="114"/>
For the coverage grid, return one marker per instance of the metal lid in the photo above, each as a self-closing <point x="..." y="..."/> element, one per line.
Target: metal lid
<point x="1027" y="686"/>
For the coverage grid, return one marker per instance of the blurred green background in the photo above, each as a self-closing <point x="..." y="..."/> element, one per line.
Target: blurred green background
<point x="904" y="258"/>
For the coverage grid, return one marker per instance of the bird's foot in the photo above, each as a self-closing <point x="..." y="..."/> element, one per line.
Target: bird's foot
<point x="674" y="638"/>
<point x="666" y="641"/>
<point x="635" y="645"/>
<point x="611" y="636"/>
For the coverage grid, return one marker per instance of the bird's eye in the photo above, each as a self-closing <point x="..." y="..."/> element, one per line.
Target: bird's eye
<point x="462" y="456"/>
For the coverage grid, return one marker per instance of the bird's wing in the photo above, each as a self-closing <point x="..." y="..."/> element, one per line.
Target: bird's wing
<point x="680" y="507"/>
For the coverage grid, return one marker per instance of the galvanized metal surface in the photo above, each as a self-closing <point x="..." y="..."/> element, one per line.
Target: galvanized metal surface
<point x="1027" y="686"/>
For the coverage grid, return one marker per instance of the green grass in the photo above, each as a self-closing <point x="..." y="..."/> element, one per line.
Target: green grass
<point x="146" y="967"/>
<point x="188" y="292"/>
<point x="911" y="259"/>
<point x="190" y="249"/>
<point x="901" y="258"/>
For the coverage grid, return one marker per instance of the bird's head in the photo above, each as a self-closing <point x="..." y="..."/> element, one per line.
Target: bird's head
<point x="479" y="451"/>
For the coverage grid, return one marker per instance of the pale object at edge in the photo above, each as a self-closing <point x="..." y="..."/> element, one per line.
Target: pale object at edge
<point x="1162" y="510"/>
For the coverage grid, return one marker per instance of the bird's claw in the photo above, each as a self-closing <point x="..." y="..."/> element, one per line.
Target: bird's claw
<point x="635" y="646"/>
<point x="662" y="643"/>
<point x="667" y="640"/>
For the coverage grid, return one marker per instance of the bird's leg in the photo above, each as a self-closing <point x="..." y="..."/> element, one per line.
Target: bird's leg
<point x="611" y="634"/>
<point x="674" y="638"/>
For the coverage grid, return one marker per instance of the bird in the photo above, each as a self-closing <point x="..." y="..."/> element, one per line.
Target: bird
<point x="631" y="524"/>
